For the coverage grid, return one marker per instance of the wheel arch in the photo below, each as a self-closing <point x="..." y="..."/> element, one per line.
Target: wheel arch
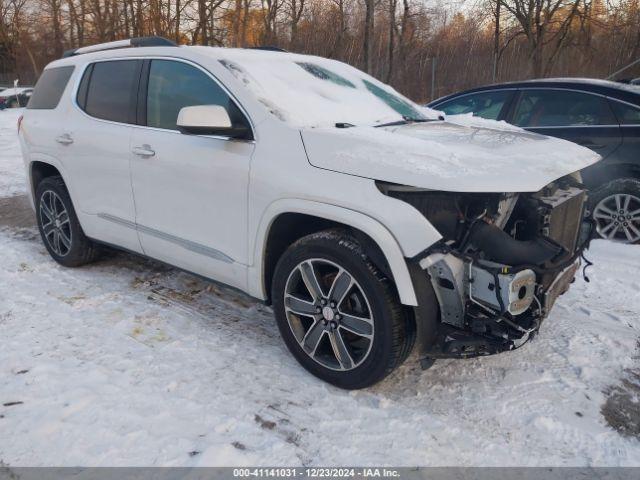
<point x="604" y="172"/>
<point x="40" y="167"/>
<point x="285" y="221"/>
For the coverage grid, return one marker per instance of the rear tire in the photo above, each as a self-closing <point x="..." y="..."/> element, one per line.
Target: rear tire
<point x="59" y="227"/>
<point x="615" y="208"/>
<point x="353" y="331"/>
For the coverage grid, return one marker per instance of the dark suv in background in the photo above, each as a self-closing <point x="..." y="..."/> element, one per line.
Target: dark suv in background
<point x="601" y="115"/>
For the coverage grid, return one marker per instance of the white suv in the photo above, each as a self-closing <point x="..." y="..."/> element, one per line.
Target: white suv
<point x="373" y="227"/>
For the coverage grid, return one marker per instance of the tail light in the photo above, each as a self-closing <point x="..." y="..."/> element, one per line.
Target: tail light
<point x="20" y="122"/>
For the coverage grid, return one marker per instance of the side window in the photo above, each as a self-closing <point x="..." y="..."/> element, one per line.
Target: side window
<point x="627" y="114"/>
<point x="106" y="90"/>
<point x="561" y="108"/>
<point x="485" y="105"/>
<point x="49" y="88"/>
<point x="174" y="85"/>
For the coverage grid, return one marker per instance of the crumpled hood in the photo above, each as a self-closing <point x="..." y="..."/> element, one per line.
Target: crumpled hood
<point x="447" y="157"/>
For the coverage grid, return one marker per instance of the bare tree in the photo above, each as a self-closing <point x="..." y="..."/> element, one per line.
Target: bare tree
<point x="546" y="26"/>
<point x="367" y="46"/>
<point x="296" y="9"/>
<point x="395" y="40"/>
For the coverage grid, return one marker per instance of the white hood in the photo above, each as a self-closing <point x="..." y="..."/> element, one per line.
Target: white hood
<point x="447" y="157"/>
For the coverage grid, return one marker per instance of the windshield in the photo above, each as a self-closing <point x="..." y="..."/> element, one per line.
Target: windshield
<point x="306" y="91"/>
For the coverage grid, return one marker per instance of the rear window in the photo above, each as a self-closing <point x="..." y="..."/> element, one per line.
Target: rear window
<point x="49" y="88"/>
<point x="106" y="90"/>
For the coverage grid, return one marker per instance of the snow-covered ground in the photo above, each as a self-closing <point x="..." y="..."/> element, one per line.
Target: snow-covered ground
<point x="11" y="170"/>
<point x="126" y="362"/>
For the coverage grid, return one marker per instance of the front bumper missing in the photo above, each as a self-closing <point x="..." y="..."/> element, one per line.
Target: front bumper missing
<point x="483" y="308"/>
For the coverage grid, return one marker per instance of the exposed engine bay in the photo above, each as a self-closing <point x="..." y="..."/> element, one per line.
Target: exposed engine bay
<point x="502" y="262"/>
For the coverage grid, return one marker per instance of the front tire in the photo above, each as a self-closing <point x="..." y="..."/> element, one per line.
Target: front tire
<point x="615" y="208"/>
<point x="59" y="227"/>
<point x="338" y="315"/>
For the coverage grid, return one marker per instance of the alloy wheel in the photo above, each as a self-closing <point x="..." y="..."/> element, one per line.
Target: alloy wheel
<point x="618" y="218"/>
<point x="56" y="226"/>
<point x="329" y="314"/>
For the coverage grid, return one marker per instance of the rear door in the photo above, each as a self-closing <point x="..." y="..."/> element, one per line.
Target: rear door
<point x="94" y="139"/>
<point x="580" y="117"/>
<point x="629" y="117"/>
<point x="190" y="190"/>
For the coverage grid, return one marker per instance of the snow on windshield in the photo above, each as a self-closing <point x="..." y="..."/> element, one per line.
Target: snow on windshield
<point x="307" y="91"/>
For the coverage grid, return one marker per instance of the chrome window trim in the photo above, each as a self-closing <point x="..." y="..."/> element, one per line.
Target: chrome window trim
<point x="637" y="107"/>
<point x="488" y="90"/>
<point x="615" y="125"/>
<point x="82" y="70"/>
<point x="624" y="102"/>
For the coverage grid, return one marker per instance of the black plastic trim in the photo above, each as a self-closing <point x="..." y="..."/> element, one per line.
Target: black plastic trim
<point x="143" y="85"/>
<point x="427" y="312"/>
<point x="133" y="42"/>
<point x="133" y="95"/>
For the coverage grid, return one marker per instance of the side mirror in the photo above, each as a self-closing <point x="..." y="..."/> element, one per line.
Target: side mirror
<point x="209" y="120"/>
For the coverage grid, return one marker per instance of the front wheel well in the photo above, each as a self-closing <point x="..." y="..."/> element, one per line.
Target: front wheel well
<point x="287" y="228"/>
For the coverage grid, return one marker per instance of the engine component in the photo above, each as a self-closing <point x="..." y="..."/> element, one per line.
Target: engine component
<point x="448" y="212"/>
<point x="562" y="215"/>
<point x="505" y="208"/>
<point x="560" y="285"/>
<point x="447" y="277"/>
<point x="500" y="247"/>
<point x="516" y="291"/>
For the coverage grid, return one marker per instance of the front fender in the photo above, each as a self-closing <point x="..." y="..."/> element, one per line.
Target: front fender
<point x="371" y="227"/>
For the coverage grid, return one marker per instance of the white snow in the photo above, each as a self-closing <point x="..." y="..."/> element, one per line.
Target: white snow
<point x="126" y="362"/>
<point x="11" y="167"/>
<point x="296" y="96"/>
<point x="470" y="120"/>
<point x="443" y="156"/>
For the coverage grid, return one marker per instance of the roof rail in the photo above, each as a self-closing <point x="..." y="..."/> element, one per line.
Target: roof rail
<point x="269" y="48"/>
<point x="130" y="42"/>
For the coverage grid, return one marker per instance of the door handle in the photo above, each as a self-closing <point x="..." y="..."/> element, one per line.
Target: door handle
<point x="144" y="151"/>
<point x="64" y="139"/>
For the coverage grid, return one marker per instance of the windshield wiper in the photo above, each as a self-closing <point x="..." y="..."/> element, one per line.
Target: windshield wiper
<point x="405" y="121"/>
<point x="416" y="120"/>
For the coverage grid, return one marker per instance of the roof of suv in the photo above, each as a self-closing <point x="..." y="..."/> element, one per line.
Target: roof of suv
<point x="622" y="91"/>
<point x="215" y="53"/>
<point x="142" y="48"/>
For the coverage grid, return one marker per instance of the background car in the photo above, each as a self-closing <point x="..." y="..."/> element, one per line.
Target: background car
<point x="601" y="115"/>
<point x="15" y="97"/>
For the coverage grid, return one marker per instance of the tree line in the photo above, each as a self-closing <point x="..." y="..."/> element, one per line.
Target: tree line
<point x="423" y="48"/>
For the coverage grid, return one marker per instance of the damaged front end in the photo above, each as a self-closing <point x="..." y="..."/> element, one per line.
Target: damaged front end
<point x="502" y="262"/>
